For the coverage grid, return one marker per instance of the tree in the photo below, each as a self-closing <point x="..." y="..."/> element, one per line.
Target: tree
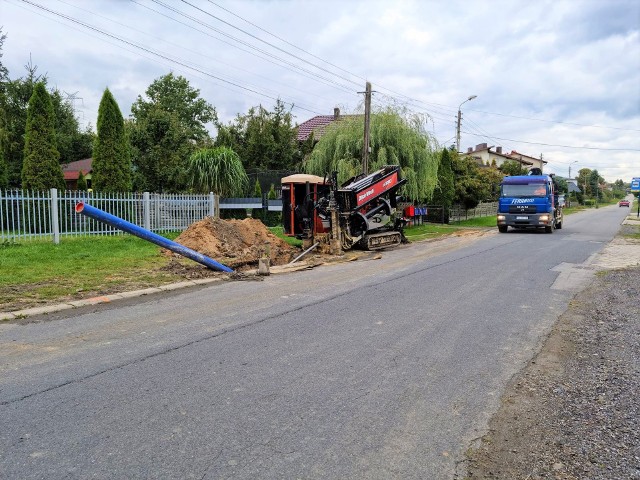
<point x="82" y="181"/>
<point x="469" y="187"/>
<point x="583" y="181"/>
<point x="217" y="170"/>
<point x="257" y="190"/>
<point x="4" y="73"/>
<point x="264" y="140"/>
<point x="594" y="182"/>
<point x="563" y="185"/>
<point x="71" y="143"/>
<point x="41" y="169"/>
<point x="4" y="170"/>
<point x="445" y="191"/>
<point x="15" y="102"/>
<point x="511" y="168"/>
<point x="111" y="155"/>
<point x="165" y="129"/>
<point x="397" y="138"/>
<point x="490" y="179"/>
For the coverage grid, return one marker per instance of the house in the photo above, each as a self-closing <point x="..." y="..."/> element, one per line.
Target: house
<point x="536" y="162"/>
<point x="318" y="124"/>
<point x="71" y="172"/>
<point x="484" y="155"/>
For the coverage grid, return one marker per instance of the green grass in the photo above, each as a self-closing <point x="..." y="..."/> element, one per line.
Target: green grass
<point x="490" y="221"/>
<point x="36" y="272"/>
<point x="279" y="232"/>
<point x="430" y="230"/>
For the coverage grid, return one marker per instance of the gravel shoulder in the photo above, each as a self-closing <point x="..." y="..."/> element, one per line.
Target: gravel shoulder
<point x="574" y="411"/>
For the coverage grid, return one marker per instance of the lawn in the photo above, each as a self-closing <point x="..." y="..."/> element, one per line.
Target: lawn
<point x="36" y="272"/>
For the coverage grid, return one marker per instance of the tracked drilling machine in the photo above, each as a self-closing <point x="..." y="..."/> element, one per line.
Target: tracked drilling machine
<point x="359" y="214"/>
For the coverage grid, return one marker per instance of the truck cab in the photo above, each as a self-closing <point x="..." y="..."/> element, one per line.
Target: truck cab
<point x="529" y="201"/>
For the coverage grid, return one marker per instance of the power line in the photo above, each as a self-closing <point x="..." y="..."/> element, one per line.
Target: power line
<point x="561" y="146"/>
<point x="94" y="14"/>
<point x="285" y="41"/>
<point x="152" y="52"/>
<point x="557" y="121"/>
<point x="263" y="41"/>
<point x="252" y="47"/>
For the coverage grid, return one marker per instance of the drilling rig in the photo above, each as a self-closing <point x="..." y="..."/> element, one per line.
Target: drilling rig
<point x="359" y="214"/>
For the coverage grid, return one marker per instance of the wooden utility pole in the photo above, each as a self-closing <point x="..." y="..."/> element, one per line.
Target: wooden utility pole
<point x="367" y="125"/>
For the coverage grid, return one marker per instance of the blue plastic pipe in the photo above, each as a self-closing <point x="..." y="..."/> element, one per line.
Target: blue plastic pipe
<point x="121" y="224"/>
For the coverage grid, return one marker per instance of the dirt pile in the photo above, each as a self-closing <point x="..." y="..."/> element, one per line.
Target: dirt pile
<point x="236" y="243"/>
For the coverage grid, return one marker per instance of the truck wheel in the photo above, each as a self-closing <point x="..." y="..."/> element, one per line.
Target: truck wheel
<point x="548" y="229"/>
<point x="559" y="225"/>
<point x="503" y="228"/>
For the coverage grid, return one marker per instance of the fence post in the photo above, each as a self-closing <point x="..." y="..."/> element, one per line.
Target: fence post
<point x="146" y="210"/>
<point x="54" y="216"/>
<point x="215" y="205"/>
<point x="212" y="205"/>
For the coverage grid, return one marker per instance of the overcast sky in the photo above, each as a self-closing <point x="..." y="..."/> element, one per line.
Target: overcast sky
<point x="557" y="78"/>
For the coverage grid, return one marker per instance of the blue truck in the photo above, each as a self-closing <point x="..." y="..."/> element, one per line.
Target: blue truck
<point x="529" y="201"/>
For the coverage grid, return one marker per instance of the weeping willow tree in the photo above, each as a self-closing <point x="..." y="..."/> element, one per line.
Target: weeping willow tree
<point x="396" y="138"/>
<point x="217" y="170"/>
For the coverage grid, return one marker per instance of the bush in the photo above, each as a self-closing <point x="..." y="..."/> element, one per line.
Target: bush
<point x="233" y="213"/>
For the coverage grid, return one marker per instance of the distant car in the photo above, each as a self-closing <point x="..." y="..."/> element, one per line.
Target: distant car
<point x="623" y="203"/>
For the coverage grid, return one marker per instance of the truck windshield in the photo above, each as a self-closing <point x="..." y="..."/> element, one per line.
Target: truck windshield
<point x="529" y="190"/>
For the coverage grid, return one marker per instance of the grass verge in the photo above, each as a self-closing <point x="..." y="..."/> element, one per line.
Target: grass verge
<point x="34" y="273"/>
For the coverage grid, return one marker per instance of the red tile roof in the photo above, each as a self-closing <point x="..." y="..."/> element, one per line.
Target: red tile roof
<point x="316" y="125"/>
<point x="72" y="170"/>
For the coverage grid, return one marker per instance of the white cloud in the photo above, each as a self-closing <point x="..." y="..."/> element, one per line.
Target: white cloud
<point x="571" y="61"/>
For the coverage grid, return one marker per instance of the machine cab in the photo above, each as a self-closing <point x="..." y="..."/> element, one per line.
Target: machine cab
<point x="300" y="193"/>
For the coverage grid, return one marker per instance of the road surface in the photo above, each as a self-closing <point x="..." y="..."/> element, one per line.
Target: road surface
<point x="378" y="368"/>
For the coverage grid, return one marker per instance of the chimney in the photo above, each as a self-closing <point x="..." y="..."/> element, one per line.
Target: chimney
<point x="336" y="113"/>
<point x="481" y="146"/>
<point x="469" y="149"/>
<point x="498" y="149"/>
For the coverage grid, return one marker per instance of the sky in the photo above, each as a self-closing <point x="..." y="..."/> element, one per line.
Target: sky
<point x="557" y="78"/>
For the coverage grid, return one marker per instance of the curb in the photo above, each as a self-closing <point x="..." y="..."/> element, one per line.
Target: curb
<point x="29" y="312"/>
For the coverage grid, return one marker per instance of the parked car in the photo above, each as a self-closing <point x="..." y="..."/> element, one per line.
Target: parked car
<point x="623" y="203"/>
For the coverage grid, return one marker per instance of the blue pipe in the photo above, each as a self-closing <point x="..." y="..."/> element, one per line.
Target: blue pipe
<point x="121" y="224"/>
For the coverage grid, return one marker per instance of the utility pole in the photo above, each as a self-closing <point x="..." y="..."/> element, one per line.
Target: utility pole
<point x="367" y="125"/>
<point x="458" y="130"/>
<point x="460" y="120"/>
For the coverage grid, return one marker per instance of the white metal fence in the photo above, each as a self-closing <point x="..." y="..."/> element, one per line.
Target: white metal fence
<point x="26" y="215"/>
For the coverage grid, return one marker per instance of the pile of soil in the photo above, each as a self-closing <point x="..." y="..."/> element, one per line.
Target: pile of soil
<point x="236" y="243"/>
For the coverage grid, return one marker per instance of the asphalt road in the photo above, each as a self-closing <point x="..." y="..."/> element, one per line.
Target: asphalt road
<point x="379" y="368"/>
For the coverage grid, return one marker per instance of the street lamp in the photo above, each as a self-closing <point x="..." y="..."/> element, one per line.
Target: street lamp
<point x="460" y="118"/>
<point x="575" y="161"/>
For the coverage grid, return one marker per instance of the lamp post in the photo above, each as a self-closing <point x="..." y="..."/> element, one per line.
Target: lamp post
<point x="575" y="161"/>
<point x="459" y="119"/>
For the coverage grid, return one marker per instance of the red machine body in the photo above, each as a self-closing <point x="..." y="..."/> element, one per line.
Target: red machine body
<point x="365" y="207"/>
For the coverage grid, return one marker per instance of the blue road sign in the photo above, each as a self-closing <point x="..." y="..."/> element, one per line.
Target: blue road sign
<point x="635" y="184"/>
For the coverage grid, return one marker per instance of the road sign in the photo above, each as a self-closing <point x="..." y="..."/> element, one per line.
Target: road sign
<point x="635" y="184"/>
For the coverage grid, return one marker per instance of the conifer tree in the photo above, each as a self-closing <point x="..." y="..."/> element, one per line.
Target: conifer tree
<point x="111" y="154"/>
<point x="82" y="181"/>
<point x="445" y="191"/>
<point x="4" y="174"/>
<point x="41" y="168"/>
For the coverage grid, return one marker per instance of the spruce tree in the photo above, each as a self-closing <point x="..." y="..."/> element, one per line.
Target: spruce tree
<point x="111" y="154"/>
<point x="41" y="168"/>
<point x="445" y="191"/>
<point x="82" y="181"/>
<point x="4" y="174"/>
